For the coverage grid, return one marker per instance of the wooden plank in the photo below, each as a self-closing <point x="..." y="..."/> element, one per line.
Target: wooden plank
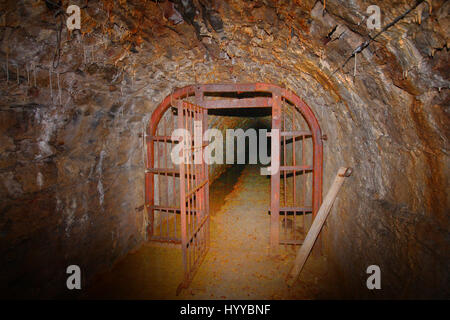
<point x="314" y="231"/>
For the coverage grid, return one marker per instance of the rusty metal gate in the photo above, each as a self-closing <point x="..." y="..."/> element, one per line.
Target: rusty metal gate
<point x="193" y="185"/>
<point x="177" y="196"/>
<point x="292" y="194"/>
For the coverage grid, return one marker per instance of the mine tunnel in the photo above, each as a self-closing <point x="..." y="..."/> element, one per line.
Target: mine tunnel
<point x="96" y="181"/>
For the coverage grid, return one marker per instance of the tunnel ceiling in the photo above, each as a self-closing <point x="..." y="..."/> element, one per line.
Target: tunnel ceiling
<point x="77" y="147"/>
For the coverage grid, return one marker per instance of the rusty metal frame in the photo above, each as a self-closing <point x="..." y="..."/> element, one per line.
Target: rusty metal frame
<point x="274" y="97"/>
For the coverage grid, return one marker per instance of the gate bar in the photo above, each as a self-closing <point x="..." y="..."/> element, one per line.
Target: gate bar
<point x="275" y="178"/>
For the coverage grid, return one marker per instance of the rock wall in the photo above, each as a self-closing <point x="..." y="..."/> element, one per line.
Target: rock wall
<point x="72" y="120"/>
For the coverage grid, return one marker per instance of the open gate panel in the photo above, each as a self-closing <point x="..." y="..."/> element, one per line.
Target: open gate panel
<point x="295" y="176"/>
<point x="194" y="183"/>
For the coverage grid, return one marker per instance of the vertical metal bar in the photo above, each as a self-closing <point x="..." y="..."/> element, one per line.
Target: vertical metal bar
<point x="283" y="111"/>
<point x="317" y="180"/>
<point x="194" y="184"/>
<point x="199" y="180"/>
<point x="294" y="178"/>
<point x="174" y="199"/>
<point x="166" y="180"/>
<point x="182" y="197"/>
<point x="150" y="185"/>
<point x="304" y="180"/>
<point x="188" y="159"/>
<point x="187" y="151"/>
<point x="160" y="218"/>
<point x="190" y="203"/>
<point x="205" y="174"/>
<point x="195" y="195"/>
<point x="202" y="178"/>
<point x="275" y="177"/>
<point x="191" y="187"/>
<point x="195" y="178"/>
<point x="206" y="187"/>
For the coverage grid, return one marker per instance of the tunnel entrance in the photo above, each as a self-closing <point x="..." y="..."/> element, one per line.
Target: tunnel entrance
<point x="177" y="196"/>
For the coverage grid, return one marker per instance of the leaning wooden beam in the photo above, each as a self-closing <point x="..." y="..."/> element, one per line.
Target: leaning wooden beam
<point x="314" y="231"/>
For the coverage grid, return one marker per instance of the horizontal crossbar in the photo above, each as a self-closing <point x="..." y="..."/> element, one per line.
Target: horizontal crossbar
<point x="197" y="188"/>
<point x="292" y="242"/>
<point x="296" y="168"/>
<point x="290" y="211"/>
<point x="299" y="133"/>
<point x="166" y="240"/>
<point x="166" y="171"/>
<point x="175" y="210"/>
<point x="237" y="103"/>
<point x="197" y="229"/>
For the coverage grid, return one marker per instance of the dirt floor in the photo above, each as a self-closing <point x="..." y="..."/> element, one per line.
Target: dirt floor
<point x="238" y="264"/>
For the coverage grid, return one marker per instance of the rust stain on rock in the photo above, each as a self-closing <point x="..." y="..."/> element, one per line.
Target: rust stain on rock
<point x="436" y="185"/>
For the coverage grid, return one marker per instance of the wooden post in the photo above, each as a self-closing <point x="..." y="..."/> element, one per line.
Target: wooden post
<point x="314" y="231"/>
